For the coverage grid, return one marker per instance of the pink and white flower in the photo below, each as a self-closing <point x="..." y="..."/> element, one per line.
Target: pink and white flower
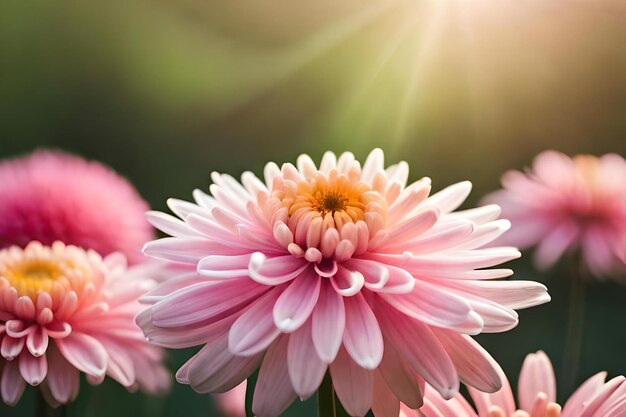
<point x="63" y="311"/>
<point x="567" y="203"/>
<point x="536" y="397"/>
<point x="340" y="268"/>
<point x="49" y="196"/>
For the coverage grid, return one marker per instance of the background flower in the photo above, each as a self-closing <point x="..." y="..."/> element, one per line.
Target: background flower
<point x="596" y="397"/>
<point x="50" y="195"/>
<point x="337" y="268"/>
<point x="567" y="203"/>
<point x="66" y="311"/>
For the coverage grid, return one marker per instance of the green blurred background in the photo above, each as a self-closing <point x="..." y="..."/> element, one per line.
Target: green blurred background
<point x="167" y="91"/>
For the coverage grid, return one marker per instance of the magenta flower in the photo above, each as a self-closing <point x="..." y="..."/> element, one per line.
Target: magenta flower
<point x="64" y="311"/>
<point x="49" y="196"/>
<point x="337" y="268"/>
<point x="537" y="397"/>
<point x="565" y="203"/>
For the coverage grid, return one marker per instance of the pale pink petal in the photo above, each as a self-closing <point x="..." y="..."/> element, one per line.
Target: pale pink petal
<point x="63" y="379"/>
<point x="552" y="246"/>
<point x="353" y="384"/>
<point x="328" y="323"/>
<point x="84" y="352"/>
<point x="37" y="341"/>
<point x="296" y="303"/>
<point x="384" y="402"/>
<point x="362" y="337"/>
<point x="474" y="365"/>
<point x="536" y="376"/>
<point x="12" y="384"/>
<point x="400" y="380"/>
<point x="33" y="369"/>
<point x="273" y="392"/>
<point x="502" y="398"/>
<point x="276" y="270"/>
<point x="450" y="197"/>
<point x="306" y="369"/>
<point x="428" y="357"/>
<point x="589" y="389"/>
<point x="254" y="330"/>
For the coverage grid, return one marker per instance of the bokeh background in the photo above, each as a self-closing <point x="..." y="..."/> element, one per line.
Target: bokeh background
<point x="166" y="91"/>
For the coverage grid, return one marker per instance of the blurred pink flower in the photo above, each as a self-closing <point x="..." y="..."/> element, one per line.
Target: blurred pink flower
<point x="565" y="203"/>
<point x="233" y="402"/>
<point x="64" y="311"/>
<point x="536" y="397"/>
<point x="341" y="268"/>
<point x="49" y="196"/>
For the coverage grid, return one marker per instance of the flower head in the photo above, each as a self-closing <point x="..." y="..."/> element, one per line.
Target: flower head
<point x="49" y="196"/>
<point x="565" y="203"/>
<point x="536" y="397"/>
<point x="337" y="268"/>
<point x="64" y="310"/>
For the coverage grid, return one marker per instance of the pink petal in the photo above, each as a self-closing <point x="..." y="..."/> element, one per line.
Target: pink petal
<point x="512" y="294"/>
<point x="84" y="352"/>
<point x="346" y="282"/>
<point x="33" y="369"/>
<point x="424" y="353"/>
<point x="11" y="347"/>
<point x="474" y="365"/>
<point x="273" y="392"/>
<point x="328" y="323"/>
<point x="353" y="384"/>
<point x="503" y="398"/>
<point x="296" y="303"/>
<point x="579" y="399"/>
<point x="224" y="267"/>
<point x="451" y="197"/>
<point x="37" y="341"/>
<point x="414" y="226"/>
<point x="536" y="376"/>
<point x="362" y="337"/>
<point x="384" y="402"/>
<point x="188" y="250"/>
<point x="205" y="301"/>
<point x="216" y="369"/>
<point x="275" y="270"/>
<point x="306" y="369"/>
<point x="63" y="379"/>
<point x="12" y="385"/>
<point x="400" y="380"/>
<point x="552" y="246"/>
<point x="255" y="330"/>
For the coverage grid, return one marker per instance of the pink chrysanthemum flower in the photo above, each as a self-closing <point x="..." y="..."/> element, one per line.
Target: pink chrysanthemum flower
<point x="565" y="203"/>
<point x="338" y="267"/>
<point x="537" y="397"/>
<point x="49" y="196"/>
<point x="64" y="311"/>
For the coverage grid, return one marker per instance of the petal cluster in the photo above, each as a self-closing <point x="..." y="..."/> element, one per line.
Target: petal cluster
<point x="340" y="268"/>
<point x="596" y="397"/>
<point x="49" y="196"/>
<point x="567" y="203"/>
<point x="63" y="311"/>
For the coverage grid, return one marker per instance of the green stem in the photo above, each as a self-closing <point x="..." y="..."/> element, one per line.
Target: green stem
<point x="326" y="399"/>
<point x="575" y="325"/>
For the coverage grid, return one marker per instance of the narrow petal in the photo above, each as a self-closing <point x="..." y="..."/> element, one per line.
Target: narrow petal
<point x="12" y="384"/>
<point x="424" y="353"/>
<point x="275" y="270"/>
<point x="353" y="384"/>
<point x="33" y="369"/>
<point x="450" y="198"/>
<point x="328" y="323"/>
<point x="536" y="376"/>
<point x="306" y="369"/>
<point x="362" y="337"/>
<point x="255" y="330"/>
<point x="400" y="379"/>
<point x="474" y="365"/>
<point x="384" y="402"/>
<point x="273" y="392"/>
<point x="84" y="352"/>
<point x="63" y="379"/>
<point x="296" y="303"/>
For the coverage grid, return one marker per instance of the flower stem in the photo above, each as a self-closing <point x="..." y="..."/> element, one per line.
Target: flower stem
<point x="575" y="325"/>
<point x="326" y="399"/>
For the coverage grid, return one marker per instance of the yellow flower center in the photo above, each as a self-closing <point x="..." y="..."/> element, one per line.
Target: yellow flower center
<point x="30" y="277"/>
